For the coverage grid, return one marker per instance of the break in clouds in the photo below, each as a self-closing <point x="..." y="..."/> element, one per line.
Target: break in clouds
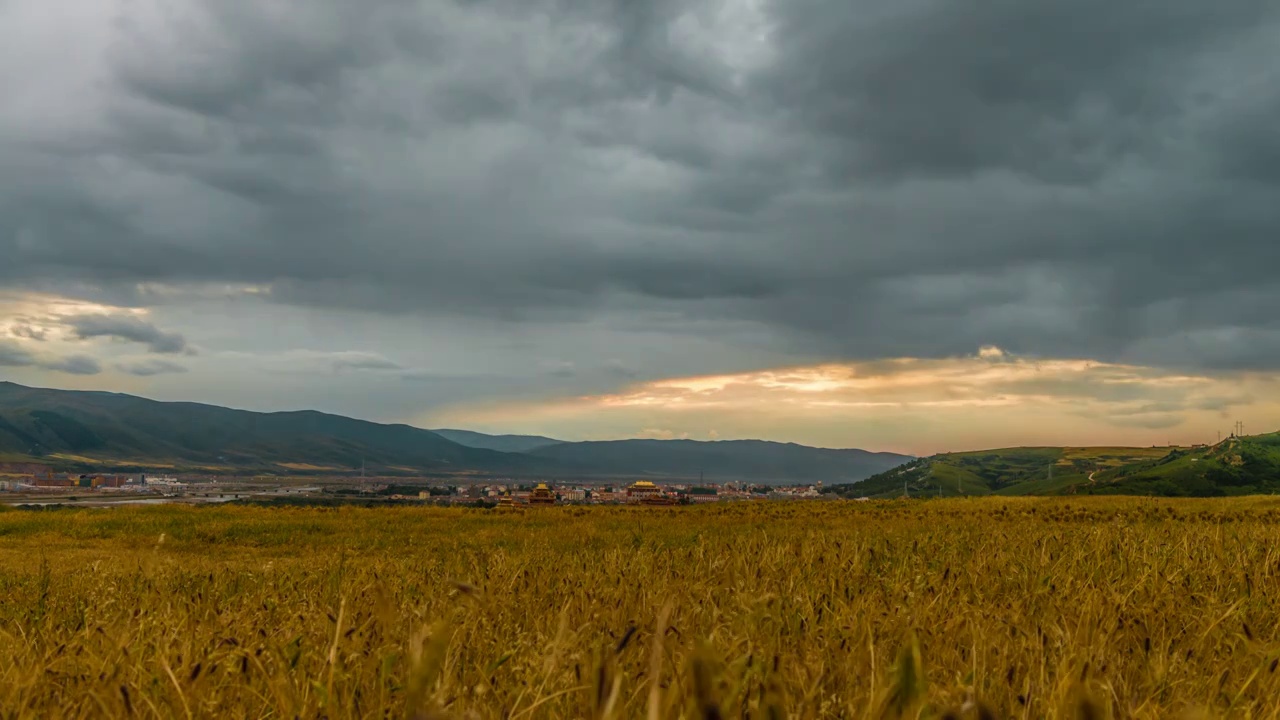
<point x="754" y="183"/>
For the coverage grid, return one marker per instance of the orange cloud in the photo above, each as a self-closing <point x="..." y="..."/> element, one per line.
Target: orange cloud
<point x="910" y="404"/>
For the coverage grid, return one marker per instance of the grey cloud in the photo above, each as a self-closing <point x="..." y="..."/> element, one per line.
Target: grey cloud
<point x="618" y="368"/>
<point x="872" y="178"/>
<point x="1153" y="421"/>
<point x="22" y="330"/>
<point x="1153" y="408"/>
<point x="74" y="365"/>
<point x="561" y="369"/>
<point x="1222" y="404"/>
<point x="453" y="380"/>
<point x="1228" y="346"/>
<point x="296" y="362"/>
<point x="14" y="355"/>
<point x="363" y="361"/>
<point x="149" y="368"/>
<point x="129" y="328"/>
<point x="1091" y="387"/>
<point x="1058" y="90"/>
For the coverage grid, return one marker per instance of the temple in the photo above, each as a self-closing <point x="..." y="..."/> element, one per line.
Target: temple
<point x="644" y="492"/>
<point x="542" y="495"/>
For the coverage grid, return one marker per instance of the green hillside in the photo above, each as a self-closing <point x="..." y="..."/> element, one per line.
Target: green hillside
<point x="971" y="473"/>
<point x="90" y="429"/>
<point x="1237" y="466"/>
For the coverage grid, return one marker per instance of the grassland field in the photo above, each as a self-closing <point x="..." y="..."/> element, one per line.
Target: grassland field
<point x="980" y="607"/>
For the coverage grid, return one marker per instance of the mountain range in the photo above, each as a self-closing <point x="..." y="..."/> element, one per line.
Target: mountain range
<point x="85" y="430"/>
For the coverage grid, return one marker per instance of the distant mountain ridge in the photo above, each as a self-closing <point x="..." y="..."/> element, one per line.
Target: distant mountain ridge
<point x="717" y="460"/>
<point x="103" y="430"/>
<point x="501" y="443"/>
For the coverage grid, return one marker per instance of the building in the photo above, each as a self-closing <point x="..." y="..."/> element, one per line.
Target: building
<point x="94" y="482"/>
<point x="542" y="495"/>
<point x="644" y="492"/>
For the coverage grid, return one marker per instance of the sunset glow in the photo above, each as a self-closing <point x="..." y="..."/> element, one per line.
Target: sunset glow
<point x="986" y="399"/>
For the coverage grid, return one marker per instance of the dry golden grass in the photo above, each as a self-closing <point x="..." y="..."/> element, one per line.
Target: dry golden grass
<point x="1035" y="608"/>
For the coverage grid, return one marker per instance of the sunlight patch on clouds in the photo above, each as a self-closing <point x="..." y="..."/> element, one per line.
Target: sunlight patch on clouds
<point x="916" y="405"/>
<point x="40" y="314"/>
<point x="991" y="378"/>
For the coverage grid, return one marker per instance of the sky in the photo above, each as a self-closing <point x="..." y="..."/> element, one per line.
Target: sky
<point x="911" y="225"/>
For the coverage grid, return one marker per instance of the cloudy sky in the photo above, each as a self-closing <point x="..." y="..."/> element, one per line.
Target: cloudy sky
<point x="912" y="225"/>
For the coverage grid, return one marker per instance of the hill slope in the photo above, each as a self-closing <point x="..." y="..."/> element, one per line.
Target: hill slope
<point x="721" y="460"/>
<point x="501" y="443"/>
<point x="82" y="427"/>
<point x="1236" y="466"/>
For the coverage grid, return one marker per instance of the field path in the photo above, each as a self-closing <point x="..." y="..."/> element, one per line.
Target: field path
<point x="1091" y="482"/>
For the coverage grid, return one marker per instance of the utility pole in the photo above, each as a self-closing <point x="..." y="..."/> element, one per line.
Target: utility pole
<point x="905" y="493"/>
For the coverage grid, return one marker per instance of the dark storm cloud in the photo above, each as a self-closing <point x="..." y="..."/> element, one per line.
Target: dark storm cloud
<point x="1057" y="90"/>
<point x="127" y="328"/>
<point x="868" y="178"/>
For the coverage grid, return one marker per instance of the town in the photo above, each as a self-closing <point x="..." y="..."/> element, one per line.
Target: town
<point x="36" y="485"/>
